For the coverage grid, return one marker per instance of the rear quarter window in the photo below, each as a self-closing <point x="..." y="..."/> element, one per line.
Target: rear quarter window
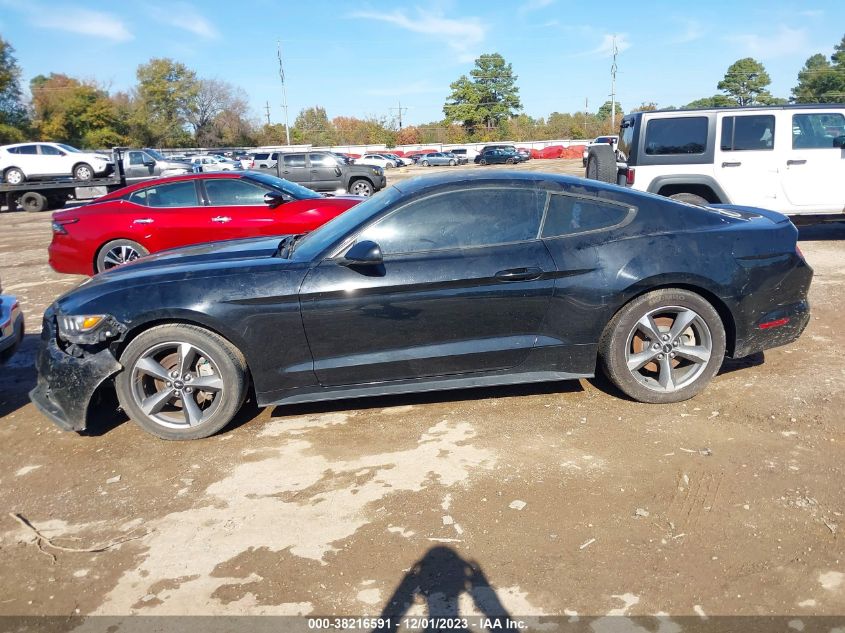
<point x="676" y="135"/>
<point x="570" y="215"/>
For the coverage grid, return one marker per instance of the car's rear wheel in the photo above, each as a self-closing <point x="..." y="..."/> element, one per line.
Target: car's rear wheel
<point x="33" y="201"/>
<point x="425" y="163"/>
<point x="664" y="346"/>
<point x="14" y="176"/>
<point x="601" y="164"/>
<point x="83" y="171"/>
<point x="452" y="163"/>
<point x="689" y="198"/>
<point x="483" y="161"/>
<point x="361" y="187"/>
<point x="181" y="382"/>
<point x="510" y="161"/>
<point x="118" y="252"/>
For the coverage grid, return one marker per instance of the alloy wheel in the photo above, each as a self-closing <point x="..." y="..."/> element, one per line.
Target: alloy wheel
<point x="668" y="348"/>
<point x="177" y="385"/>
<point x="120" y="255"/>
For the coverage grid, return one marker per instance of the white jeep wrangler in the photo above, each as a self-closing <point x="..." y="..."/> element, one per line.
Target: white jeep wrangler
<point x="785" y="158"/>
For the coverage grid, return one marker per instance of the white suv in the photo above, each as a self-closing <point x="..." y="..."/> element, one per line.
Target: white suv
<point x="785" y="158"/>
<point x="381" y="160"/>
<point x="23" y="161"/>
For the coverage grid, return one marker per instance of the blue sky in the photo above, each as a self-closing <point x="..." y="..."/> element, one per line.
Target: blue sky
<point x="361" y="58"/>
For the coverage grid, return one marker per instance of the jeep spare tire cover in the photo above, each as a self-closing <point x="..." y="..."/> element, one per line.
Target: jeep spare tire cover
<point x="601" y="164"/>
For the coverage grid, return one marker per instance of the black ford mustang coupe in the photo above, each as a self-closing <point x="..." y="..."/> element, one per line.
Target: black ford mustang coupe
<point x="449" y="281"/>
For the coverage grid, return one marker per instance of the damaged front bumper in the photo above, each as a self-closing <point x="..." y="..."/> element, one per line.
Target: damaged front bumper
<point x="66" y="383"/>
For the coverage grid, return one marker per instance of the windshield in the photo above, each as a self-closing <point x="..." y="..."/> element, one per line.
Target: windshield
<point x="336" y="229"/>
<point x="67" y="148"/>
<point x="291" y="188"/>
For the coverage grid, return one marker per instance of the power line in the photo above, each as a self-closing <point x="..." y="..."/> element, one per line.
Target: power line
<point x="284" y="89"/>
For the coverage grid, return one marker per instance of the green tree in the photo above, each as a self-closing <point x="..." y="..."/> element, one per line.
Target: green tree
<point x="716" y="101"/>
<point x="820" y="80"/>
<point x="604" y="111"/>
<point x="165" y="102"/>
<point x="746" y="81"/>
<point x="489" y="96"/>
<point x="312" y="126"/>
<point x="68" y="110"/>
<point x="13" y="116"/>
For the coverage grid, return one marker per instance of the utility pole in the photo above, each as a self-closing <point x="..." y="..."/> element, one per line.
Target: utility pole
<point x="267" y="109"/>
<point x="586" y="111"/>
<point x="284" y="89"/>
<point x="400" y="110"/>
<point x="613" y="88"/>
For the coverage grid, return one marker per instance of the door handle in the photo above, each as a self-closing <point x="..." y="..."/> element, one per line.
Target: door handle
<point x="143" y="221"/>
<point x="221" y="219"/>
<point x="313" y="171"/>
<point x="519" y="274"/>
<point x="796" y="162"/>
<point x="285" y="171"/>
<point x="731" y="164"/>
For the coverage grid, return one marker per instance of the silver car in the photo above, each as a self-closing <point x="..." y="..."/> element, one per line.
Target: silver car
<point x="11" y="326"/>
<point x="437" y="158"/>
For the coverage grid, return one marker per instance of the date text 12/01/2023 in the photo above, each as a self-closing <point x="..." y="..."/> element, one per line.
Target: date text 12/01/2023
<point x="415" y="623"/>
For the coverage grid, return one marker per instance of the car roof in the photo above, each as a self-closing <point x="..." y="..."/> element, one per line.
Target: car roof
<point x="424" y="183"/>
<point x="215" y="175"/>
<point x="753" y="108"/>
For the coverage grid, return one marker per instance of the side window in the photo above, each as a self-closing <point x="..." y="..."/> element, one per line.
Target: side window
<point x="322" y="160"/>
<point x="568" y="215"/>
<point x="138" y="197"/>
<point x="742" y="133"/>
<point x="136" y="158"/>
<point x="294" y="160"/>
<point x="231" y="191"/>
<point x="676" y="135"/>
<point x="817" y="130"/>
<point x="49" y="150"/>
<point x="461" y="219"/>
<point x="27" y="149"/>
<point x="177" y="194"/>
<point x="261" y="156"/>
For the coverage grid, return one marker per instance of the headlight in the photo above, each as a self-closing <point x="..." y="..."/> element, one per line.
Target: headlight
<point x="86" y="328"/>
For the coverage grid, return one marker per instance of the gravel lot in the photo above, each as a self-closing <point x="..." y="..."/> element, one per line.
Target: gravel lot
<point x="559" y="498"/>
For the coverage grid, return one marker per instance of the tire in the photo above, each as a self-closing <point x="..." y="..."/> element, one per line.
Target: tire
<point x="425" y="163"/>
<point x="689" y="198"/>
<point x="601" y="164"/>
<point x="483" y="161"/>
<point x="33" y="201"/>
<point x="118" y="252"/>
<point x="510" y="161"/>
<point x="452" y="163"/>
<point x="678" y="368"/>
<point x="14" y="176"/>
<point x="584" y="163"/>
<point x="388" y="165"/>
<point x="361" y="187"/>
<point x="83" y="171"/>
<point x="155" y="399"/>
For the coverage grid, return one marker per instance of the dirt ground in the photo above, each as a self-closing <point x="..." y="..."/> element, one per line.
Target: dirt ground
<point x="548" y="499"/>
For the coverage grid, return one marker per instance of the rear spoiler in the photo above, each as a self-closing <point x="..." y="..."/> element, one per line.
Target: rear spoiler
<point x="748" y="213"/>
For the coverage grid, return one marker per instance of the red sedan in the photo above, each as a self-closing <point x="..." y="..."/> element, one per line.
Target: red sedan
<point x="169" y="212"/>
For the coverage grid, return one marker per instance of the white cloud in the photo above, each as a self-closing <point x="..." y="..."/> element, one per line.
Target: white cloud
<point x="786" y="41"/>
<point x="691" y="31"/>
<point x="462" y="35"/>
<point x="183" y="16"/>
<point x="535" y="5"/>
<point x="605" y="49"/>
<point x="80" y="21"/>
<point x="811" y="13"/>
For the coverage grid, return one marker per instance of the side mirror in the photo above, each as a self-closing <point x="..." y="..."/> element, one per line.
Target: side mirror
<point x="364" y="253"/>
<point x="274" y="199"/>
<point x="839" y="141"/>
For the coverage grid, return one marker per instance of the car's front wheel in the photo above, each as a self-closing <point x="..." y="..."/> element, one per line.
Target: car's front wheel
<point x="425" y="163"/>
<point x="664" y="346"/>
<point x="361" y="187"/>
<point x="181" y="382"/>
<point x="83" y="171"/>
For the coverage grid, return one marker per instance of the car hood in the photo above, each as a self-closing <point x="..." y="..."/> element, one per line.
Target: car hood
<point x="197" y="257"/>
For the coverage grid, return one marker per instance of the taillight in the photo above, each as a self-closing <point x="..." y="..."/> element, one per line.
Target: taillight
<point x="59" y="225"/>
<point x="629" y="176"/>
